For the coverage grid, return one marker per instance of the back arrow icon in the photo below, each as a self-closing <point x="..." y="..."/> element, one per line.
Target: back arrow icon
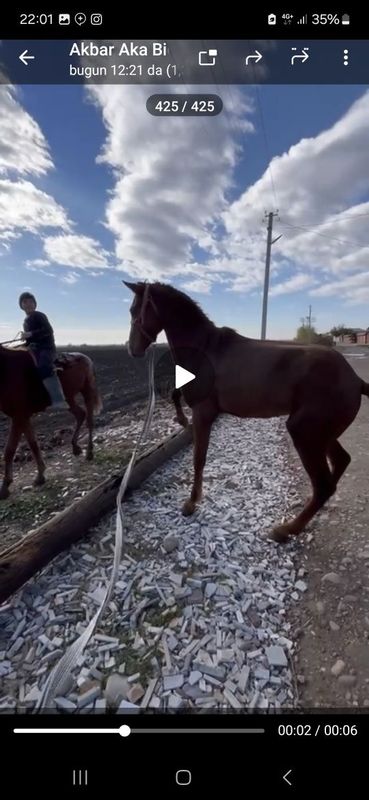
<point x="257" y="57"/>
<point x="24" y="58"/>
<point x="285" y="777"/>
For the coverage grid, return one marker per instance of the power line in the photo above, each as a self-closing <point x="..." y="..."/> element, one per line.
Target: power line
<point x="267" y="148"/>
<point x="341" y="219"/>
<point x="324" y="235"/>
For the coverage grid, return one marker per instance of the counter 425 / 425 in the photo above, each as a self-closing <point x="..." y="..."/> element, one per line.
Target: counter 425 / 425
<point x="321" y="729"/>
<point x="163" y="105"/>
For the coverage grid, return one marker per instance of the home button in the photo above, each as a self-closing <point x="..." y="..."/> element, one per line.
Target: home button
<point x="183" y="777"/>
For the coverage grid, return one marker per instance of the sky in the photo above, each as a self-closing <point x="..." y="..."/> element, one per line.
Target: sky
<point x="95" y="190"/>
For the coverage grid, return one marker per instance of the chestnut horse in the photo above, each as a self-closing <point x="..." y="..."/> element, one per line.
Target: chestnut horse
<point x="313" y="385"/>
<point x="22" y="395"/>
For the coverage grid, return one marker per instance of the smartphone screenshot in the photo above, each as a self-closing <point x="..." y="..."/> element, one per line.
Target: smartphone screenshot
<point x="184" y="402"/>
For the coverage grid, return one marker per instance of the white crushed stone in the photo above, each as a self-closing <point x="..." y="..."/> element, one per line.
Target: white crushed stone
<point x="201" y="626"/>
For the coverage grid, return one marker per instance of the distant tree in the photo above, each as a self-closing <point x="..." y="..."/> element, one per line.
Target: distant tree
<point x="306" y="334"/>
<point x="340" y="330"/>
<point x="325" y="339"/>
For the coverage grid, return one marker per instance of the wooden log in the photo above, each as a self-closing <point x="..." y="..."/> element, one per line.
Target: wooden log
<point x="21" y="561"/>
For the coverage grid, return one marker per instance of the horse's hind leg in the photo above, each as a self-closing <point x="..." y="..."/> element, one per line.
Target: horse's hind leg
<point x="35" y="449"/>
<point x="10" y="449"/>
<point x="80" y="416"/>
<point x="202" y="420"/>
<point x="310" y="439"/>
<point x="339" y="459"/>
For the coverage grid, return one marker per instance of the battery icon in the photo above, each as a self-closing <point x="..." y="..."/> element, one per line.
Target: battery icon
<point x="345" y="19"/>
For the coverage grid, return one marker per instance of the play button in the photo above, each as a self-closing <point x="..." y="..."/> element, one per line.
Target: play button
<point x="188" y="370"/>
<point x="183" y="376"/>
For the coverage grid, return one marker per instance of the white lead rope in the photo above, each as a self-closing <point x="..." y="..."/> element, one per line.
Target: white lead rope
<point x="58" y="681"/>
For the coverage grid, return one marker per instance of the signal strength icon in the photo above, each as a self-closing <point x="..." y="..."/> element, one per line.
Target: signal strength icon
<point x="303" y="20"/>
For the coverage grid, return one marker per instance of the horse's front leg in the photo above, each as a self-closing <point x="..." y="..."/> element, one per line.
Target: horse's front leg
<point x="9" y="453"/>
<point x="203" y="417"/>
<point x="36" y="452"/>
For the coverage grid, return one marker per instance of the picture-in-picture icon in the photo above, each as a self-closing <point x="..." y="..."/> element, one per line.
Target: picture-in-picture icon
<point x="207" y="58"/>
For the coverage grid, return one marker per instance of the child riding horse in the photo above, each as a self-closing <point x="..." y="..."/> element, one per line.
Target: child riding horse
<point x="39" y="339"/>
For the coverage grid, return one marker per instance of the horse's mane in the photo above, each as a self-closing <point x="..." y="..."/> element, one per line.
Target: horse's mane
<point x="175" y="304"/>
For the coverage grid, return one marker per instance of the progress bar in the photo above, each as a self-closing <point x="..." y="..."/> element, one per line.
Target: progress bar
<point x="125" y="730"/>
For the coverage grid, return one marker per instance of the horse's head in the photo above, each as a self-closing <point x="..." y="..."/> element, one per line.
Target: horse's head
<point x="145" y="319"/>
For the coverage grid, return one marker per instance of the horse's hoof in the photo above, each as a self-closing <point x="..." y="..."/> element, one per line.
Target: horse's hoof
<point x="181" y="421"/>
<point x="77" y="450"/>
<point x="40" y="480"/>
<point x="280" y="534"/>
<point x="89" y="456"/>
<point x="188" y="508"/>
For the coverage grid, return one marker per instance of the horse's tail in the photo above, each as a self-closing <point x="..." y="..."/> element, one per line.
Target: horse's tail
<point x="365" y="388"/>
<point x="94" y="392"/>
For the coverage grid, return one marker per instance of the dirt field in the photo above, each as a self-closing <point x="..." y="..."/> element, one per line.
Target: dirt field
<point x="122" y="382"/>
<point x="332" y="666"/>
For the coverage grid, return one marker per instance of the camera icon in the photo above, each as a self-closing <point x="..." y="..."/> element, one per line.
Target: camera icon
<point x="96" y="19"/>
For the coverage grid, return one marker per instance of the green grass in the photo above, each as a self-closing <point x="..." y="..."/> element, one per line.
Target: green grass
<point x="24" y="506"/>
<point x="113" y="457"/>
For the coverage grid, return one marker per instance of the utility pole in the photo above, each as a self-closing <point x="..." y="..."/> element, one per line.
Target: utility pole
<point x="307" y="323"/>
<point x="270" y="217"/>
<point x="309" y="318"/>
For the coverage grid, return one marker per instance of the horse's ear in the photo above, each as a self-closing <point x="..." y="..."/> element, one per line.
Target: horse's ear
<point x="137" y="288"/>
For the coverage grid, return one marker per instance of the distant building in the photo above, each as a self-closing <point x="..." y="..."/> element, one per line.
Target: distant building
<point x="362" y="337"/>
<point x="357" y="336"/>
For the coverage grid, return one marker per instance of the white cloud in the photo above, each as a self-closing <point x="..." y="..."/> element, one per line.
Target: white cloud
<point x="295" y="284"/>
<point x="197" y="285"/>
<point x="172" y="182"/>
<point x="354" y="288"/>
<point x="37" y="262"/>
<point x="26" y="208"/>
<point x="171" y="177"/>
<point x="23" y="147"/>
<point x="24" y="152"/>
<point x="323" y="179"/>
<point x="23" y="207"/>
<point x="70" y="277"/>
<point x="76" y="251"/>
<point x="7" y="236"/>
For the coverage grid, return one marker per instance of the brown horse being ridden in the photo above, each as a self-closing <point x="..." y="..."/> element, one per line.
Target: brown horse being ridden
<point x="22" y="394"/>
<point x="313" y="385"/>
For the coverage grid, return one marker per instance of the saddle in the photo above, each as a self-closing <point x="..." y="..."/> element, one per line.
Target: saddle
<point x="62" y="361"/>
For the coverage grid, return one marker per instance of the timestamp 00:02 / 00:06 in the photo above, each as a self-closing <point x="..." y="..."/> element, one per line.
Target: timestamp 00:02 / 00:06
<point x="310" y="730"/>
